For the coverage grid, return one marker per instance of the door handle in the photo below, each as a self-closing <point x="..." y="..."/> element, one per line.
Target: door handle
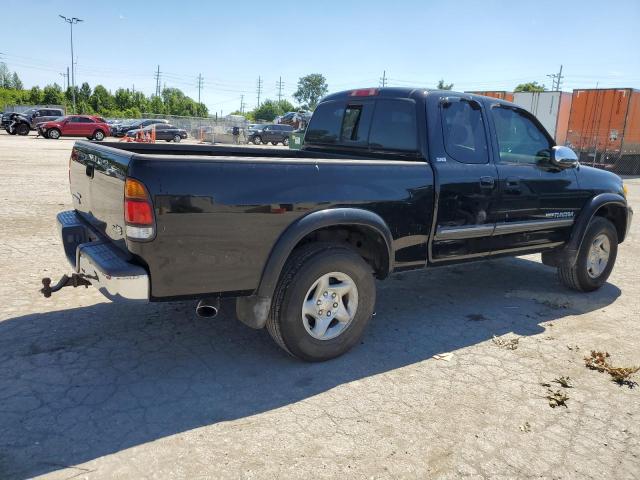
<point x="89" y="171"/>
<point x="487" y="182"/>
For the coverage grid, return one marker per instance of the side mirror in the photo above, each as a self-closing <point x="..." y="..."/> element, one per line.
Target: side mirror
<point x="563" y="157"/>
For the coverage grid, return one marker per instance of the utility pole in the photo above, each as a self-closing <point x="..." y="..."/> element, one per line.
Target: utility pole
<point x="199" y="88"/>
<point x="65" y="82"/>
<point x="383" y="79"/>
<point x="556" y="80"/>
<point x="72" y="21"/>
<point x="259" y="89"/>
<point x="156" y="75"/>
<point x="279" y="84"/>
<point x="241" y="103"/>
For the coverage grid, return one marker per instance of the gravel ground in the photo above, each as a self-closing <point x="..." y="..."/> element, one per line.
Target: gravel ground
<point x="94" y="389"/>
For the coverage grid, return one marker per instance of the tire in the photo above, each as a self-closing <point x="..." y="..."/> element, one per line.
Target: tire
<point x="10" y="132"/>
<point x="298" y="333"/>
<point x="274" y="143"/>
<point x="257" y="140"/>
<point x="98" y="135"/>
<point x="285" y="142"/>
<point x="596" y="258"/>
<point x="22" y="129"/>
<point x="53" y="134"/>
<point x="177" y="139"/>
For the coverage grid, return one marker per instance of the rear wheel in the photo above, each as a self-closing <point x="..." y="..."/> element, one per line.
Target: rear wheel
<point x="98" y="135"/>
<point x="323" y="302"/>
<point x="257" y="140"/>
<point x="274" y="143"/>
<point x="285" y="142"/>
<point x="53" y="134"/>
<point x="596" y="257"/>
<point x="22" y="129"/>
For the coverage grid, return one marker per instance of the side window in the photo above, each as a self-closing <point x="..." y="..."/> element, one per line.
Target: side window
<point x="356" y="123"/>
<point x="325" y="123"/>
<point x="85" y="120"/>
<point x="464" y="132"/>
<point x="520" y="140"/>
<point x="394" y="125"/>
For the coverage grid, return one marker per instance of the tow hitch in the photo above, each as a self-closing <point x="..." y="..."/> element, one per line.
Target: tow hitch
<point x="75" y="280"/>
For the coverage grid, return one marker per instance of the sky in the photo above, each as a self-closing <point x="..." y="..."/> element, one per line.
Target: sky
<point x="476" y="45"/>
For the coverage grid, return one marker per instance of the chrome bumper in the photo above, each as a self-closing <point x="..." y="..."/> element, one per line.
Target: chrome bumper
<point x="100" y="261"/>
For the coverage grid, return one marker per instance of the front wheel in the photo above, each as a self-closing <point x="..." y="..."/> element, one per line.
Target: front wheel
<point x="53" y="134"/>
<point x="22" y="129"/>
<point x="595" y="260"/>
<point x="285" y="142"/>
<point x="177" y="139"/>
<point x="98" y="135"/>
<point x="257" y="140"/>
<point x="323" y="302"/>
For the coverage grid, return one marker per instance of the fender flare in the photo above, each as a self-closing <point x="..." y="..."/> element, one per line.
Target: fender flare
<point x="572" y="247"/>
<point x="254" y="310"/>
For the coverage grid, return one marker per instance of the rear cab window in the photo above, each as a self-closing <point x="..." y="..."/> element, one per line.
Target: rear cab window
<point x="377" y="125"/>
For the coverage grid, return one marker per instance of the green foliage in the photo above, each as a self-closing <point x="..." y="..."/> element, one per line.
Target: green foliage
<point x="8" y="80"/>
<point x="269" y="110"/>
<point x="124" y="103"/>
<point x="16" y="83"/>
<point x="311" y="89"/>
<point x="52" y="95"/>
<point x="530" y="87"/>
<point x="444" y="86"/>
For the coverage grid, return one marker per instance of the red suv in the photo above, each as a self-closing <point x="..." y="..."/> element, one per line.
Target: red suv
<point x="94" y="128"/>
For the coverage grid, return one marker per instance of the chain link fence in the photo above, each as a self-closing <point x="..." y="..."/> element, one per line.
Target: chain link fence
<point x="619" y="163"/>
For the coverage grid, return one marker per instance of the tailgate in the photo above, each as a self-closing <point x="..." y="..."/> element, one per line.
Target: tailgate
<point x="97" y="177"/>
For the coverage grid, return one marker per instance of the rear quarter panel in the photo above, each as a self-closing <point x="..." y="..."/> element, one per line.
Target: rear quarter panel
<point x="217" y="221"/>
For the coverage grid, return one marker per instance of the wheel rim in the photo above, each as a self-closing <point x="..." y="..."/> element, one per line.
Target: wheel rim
<point x="54" y="134"/>
<point x="598" y="257"/>
<point x="176" y="138"/>
<point x="99" y="136"/>
<point x="330" y="305"/>
<point x="285" y="141"/>
<point x="257" y="140"/>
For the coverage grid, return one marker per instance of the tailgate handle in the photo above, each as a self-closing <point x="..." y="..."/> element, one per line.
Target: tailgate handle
<point x="89" y="171"/>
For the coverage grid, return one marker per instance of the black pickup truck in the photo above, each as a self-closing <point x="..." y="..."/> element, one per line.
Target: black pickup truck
<point x="389" y="179"/>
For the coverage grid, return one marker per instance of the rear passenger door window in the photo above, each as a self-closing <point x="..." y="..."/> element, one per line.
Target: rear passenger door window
<point x="394" y="126"/>
<point x="463" y="131"/>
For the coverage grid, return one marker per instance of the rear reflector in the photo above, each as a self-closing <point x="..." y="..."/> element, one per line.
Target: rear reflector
<point x="365" y="92"/>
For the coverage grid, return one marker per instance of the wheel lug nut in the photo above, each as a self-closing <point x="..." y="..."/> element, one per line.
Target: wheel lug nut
<point x="335" y="305"/>
<point x="319" y="302"/>
<point x="333" y="295"/>
<point x="329" y="313"/>
<point x="320" y="312"/>
<point x="325" y="294"/>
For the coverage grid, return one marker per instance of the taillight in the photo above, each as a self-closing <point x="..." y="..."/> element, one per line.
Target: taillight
<point x="364" y="92"/>
<point x="138" y="211"/>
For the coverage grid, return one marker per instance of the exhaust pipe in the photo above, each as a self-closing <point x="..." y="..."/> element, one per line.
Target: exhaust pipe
<point x="208" y="307"/>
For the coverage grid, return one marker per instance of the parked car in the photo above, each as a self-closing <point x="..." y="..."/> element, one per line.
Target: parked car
<point x="23" y="123"/>
<point x="164" y="131"/>
<point x="387" y="180"/>
<point x="94" y="128"/>
<point x="269" y="133"/>
<point x="121" y="130"/>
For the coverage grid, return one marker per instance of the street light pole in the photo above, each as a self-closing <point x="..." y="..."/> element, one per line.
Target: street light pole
<point x="71" y="22"/>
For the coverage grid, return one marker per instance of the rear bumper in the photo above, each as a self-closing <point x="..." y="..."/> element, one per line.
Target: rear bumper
<point x="98" y="260"/>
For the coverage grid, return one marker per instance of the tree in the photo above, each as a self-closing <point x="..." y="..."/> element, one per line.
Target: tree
<point x="16" y="83"/>
<point x="35" y="96"/>
<point x="285" y="106"/>
<point x="52" y="95"/>
<point x="267" y="111"/>
<point x="444" y="86"/>
<point x="5" y="76"/>
<point x="84" y="93"/>
<point x="100" y="99"/>
<point x="530" y="87"/>
<point x="310" y="89"/>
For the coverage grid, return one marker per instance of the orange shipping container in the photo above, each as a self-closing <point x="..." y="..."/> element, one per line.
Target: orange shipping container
<point x="606" y="121"/>
<point x="502" y="95"/>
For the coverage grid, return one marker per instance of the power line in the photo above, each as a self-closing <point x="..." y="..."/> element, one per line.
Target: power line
<point x="556" y="79"/>
<point x="383" y="79"/>
<point x="259" y="89"/>
<point x="157" y="76"/>
<point x="279" y="85"/>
